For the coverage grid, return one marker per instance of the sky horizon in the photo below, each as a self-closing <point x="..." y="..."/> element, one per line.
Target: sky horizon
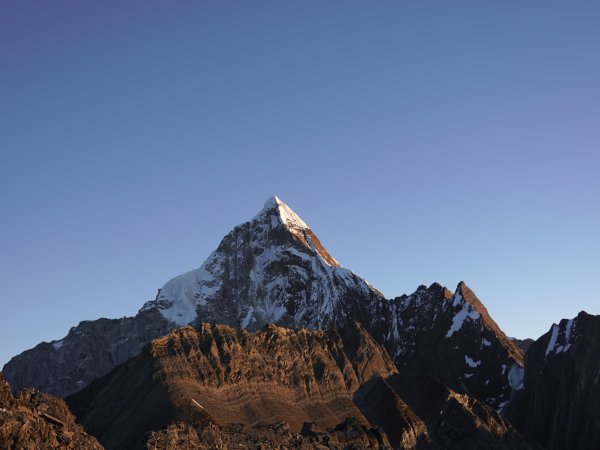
<point x="421" y="143"/>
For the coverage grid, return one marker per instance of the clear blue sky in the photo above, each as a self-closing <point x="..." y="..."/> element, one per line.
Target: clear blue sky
<point x="422" y="141"/>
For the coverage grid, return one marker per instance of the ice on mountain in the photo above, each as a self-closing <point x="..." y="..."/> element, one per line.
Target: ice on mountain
<point x="471" y="362"/>
<point x="516" y="375"/>
<point x="553" y="338"/>
<point x="185" y="292"/>
<point x="459" y="318"/>
<point x="246" y="320"/>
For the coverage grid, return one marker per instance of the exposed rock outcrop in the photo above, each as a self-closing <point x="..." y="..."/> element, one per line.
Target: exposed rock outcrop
<point x="348" y="435"/>
<point x="523" y="344"/>
<point x="32" y="420"/>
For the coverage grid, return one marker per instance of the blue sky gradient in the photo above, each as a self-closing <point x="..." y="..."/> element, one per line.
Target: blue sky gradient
<point x="437" y="141"/>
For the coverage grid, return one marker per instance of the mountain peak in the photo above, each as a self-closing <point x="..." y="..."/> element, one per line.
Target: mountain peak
<point x="272" y="202"/>
<point x="274" y="205"/>
<point x="463" y="291"/>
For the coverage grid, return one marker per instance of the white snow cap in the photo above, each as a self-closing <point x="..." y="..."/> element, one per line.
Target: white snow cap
<point x="287" y="216"/>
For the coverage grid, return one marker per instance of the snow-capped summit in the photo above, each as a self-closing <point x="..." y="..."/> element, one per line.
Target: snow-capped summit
<point x="280" y="214"/>
<point x="285" y="213"/>
<point x="272" y="268"/>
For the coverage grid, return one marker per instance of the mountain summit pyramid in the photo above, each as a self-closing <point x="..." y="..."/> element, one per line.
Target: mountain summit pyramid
<point x="274" y="269"/>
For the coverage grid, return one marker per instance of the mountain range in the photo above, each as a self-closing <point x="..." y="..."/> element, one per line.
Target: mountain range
<point x="272" y="334"/>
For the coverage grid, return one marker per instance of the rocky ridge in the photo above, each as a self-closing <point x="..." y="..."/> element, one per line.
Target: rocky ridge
<point x="336" y="380"/>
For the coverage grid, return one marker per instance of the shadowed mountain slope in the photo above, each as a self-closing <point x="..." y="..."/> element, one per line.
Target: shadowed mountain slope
<point x="558" y="400"/>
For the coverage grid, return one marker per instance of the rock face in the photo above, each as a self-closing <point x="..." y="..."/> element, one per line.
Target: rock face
<point x="33" y="420"/>
<point x="274" y="269"/>
<point x="457" y="421"/>
<point x="342" y="382"/>
<point x="558" y="403"/>
<point x="523" y="344"/>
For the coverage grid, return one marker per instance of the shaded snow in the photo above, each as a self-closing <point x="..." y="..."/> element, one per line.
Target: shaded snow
<point x="515" y="377"/>
<point x="459" y="318"/>
<point x="556" y="333"/>
<point x="568" y="331"/>
<point x="246" y="320"/>
<point x="471" y="363"/>
<point x="552" y="342"/>
<point x="57" y="344"/>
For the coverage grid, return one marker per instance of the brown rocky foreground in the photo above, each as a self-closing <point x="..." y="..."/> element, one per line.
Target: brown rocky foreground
<point x="32" y="420"/>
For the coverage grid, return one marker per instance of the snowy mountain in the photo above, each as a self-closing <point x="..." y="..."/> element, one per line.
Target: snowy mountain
<point x="274" y="269"/>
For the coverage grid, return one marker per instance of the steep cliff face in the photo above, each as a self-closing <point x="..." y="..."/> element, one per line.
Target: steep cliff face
<point x="218" y="376"/>
<point x="274" y="269"/>
<point x="558" y="401"/>
<point x="33" y="420"/>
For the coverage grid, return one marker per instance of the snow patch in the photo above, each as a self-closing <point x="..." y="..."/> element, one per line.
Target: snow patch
<point x="553" y="338"/>
<point x="185" y="292"/>
<point x="501" y="407"/>
<point x="516" y="375"/>
<point x="568" y="331"/>
<point x="471" y="362"/>
<point x="459" y="318"/>
<point x="287" y="216"/>
<point x="246" y="320"/>
<point x="57" y="344"/>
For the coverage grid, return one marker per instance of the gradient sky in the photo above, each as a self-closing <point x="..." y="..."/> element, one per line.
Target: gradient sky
<point x="422" y="141"/>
